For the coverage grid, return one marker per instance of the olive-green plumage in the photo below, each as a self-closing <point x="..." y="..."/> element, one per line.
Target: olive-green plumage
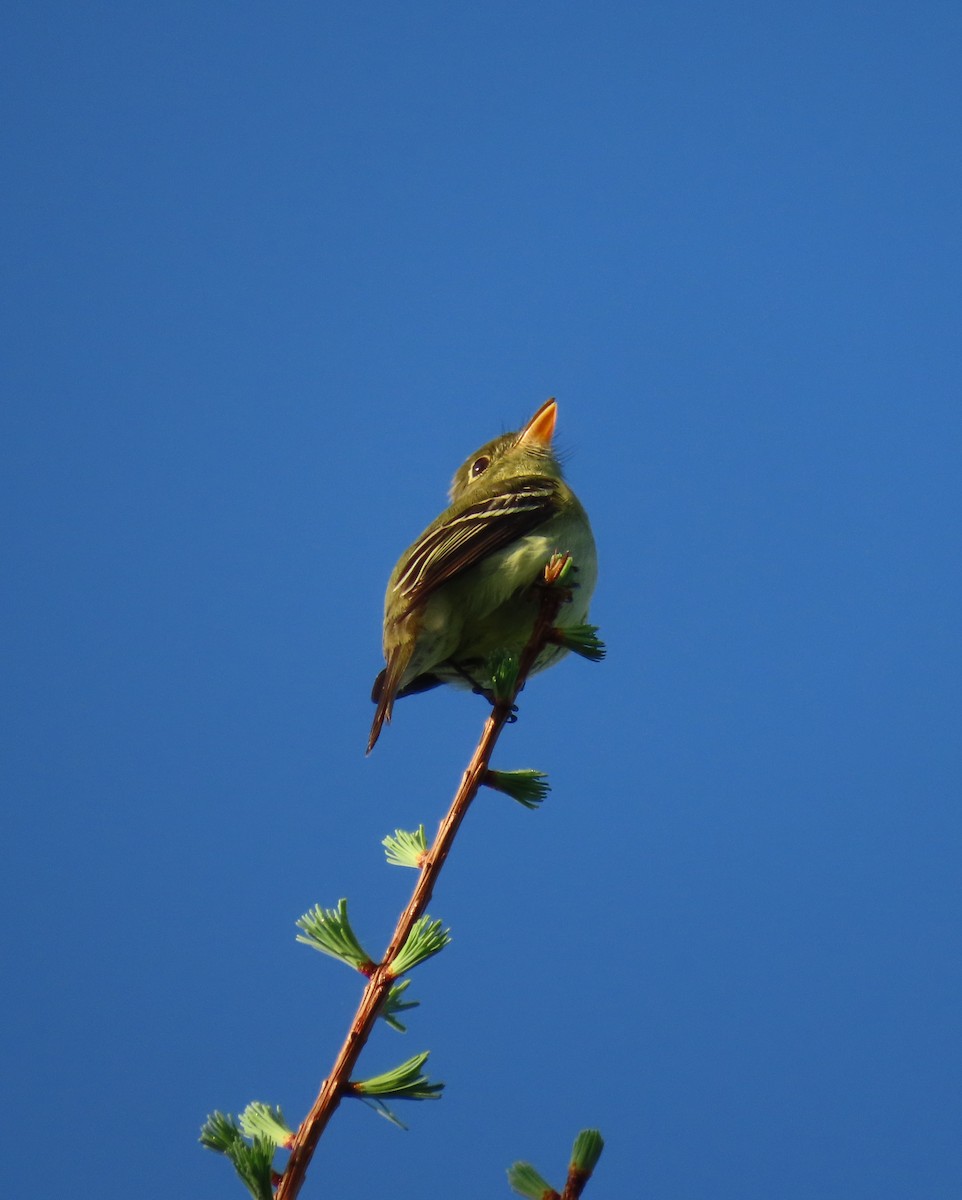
<point x="463" y="589"/>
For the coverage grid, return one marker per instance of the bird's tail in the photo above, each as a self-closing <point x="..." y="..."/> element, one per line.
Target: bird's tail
<point x="386" y="688"/>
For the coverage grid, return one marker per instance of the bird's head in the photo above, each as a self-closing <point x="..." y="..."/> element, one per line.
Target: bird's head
<point x="527" y="452"/>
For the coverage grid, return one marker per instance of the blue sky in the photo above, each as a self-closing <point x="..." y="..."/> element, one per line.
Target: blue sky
<point x="270" y="274"/>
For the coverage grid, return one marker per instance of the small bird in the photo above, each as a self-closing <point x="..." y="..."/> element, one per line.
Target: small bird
<point x="463" y="590"/>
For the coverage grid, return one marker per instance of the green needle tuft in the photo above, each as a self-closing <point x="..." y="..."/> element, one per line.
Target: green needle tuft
<point x="329" y="930"/>
<point x="395" y="1003"/>
<point x="254" y="1163"/>
<point x="503" y="672"/>
<point x="260" y="1120"/>
<point x="586" y="1151"/>
<point x="404" y="1082"/>
<point x="525" y="1180"/>
<point x="526" y="786"/>
<point x="405" y="849"/>
<point x="581" y="639"/>
<point x="425" y="939"/>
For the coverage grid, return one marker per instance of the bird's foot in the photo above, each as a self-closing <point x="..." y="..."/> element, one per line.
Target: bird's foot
<point x="495" y="703"/>
<point x="487" y="693"/>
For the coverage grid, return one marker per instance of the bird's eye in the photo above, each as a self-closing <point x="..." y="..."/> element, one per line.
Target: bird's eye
<point x="479" y="466"/>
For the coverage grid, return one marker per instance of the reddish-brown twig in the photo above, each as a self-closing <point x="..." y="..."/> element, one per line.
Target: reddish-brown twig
<point x="375" y="993"/>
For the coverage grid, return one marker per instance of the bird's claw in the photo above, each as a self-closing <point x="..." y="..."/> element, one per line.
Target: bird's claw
<point x="478" y="690"/>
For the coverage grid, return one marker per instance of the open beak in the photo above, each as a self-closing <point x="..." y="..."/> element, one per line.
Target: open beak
<point x="540" y="429"/>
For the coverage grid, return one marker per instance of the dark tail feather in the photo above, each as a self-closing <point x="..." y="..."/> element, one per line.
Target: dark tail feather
<point x="386" y="688"/>
<point x="385" y="702"/>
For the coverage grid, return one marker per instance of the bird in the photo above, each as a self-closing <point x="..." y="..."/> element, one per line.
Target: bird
<point x="463" y="589"/>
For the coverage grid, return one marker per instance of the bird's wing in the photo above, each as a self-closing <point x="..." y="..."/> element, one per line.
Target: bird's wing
<point x="470" y="535"/>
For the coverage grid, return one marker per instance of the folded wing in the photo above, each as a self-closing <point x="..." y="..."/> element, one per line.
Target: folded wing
<point x="444" y="551"/>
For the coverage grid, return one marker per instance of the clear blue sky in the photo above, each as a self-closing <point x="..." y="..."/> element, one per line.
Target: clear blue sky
<point x="270" y="273"/>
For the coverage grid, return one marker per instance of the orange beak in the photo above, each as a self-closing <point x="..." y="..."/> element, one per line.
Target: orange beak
<point x="540" y="429"/>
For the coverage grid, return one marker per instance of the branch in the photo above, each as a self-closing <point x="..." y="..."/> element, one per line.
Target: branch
<point x="383" y="976"/>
